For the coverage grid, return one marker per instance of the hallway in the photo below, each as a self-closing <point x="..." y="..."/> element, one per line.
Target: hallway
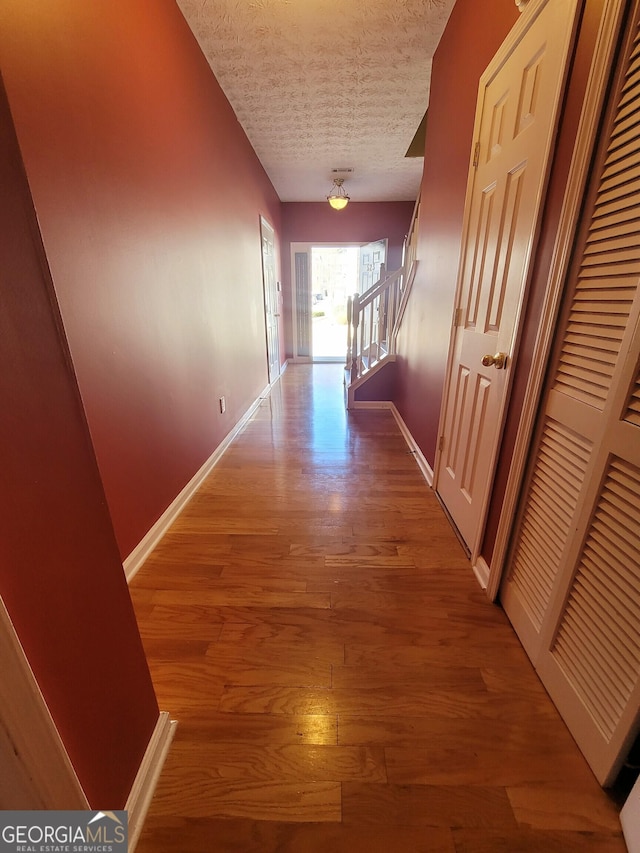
<point x="340" y="680"/>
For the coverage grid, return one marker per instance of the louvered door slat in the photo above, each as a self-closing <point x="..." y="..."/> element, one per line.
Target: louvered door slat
<point x="542" y="514"/>
<point x="631" y="515"/>
<point x="607" y="252"/>
<point x="604" y="296"/>
<point x="585" y="372"/>
<point x="613" y="623"/>
<point x="622" y="524"/>
<point x="629" y="268"/>
<point x="618" y="171"/>
<point x="600" y="549"/>
<point x="622" y="153"/>
<point x="624" y="217"/>
<point x="623" y="144"/>
<point x="632" y="414"/>
<point x="628" y="124"/>
<point x="617" y="587"/>
<point x="598" y="344"/>
<point x="610" y="538"/>
<point x="603" y="326"/>
<point x="618" y="231"/>
<point x="611" y="240"/>
<point x="556" y="471"/>
<point x="547" y="519"/>
<point x="570" y="656"/>
<point x="586" y="365"/>
<point x="611" y="590"/>
<point x="606" y="666"/>
<point x="611" y="208"/>
<point x="625" y="189"/>
<point x="632" y="79"/>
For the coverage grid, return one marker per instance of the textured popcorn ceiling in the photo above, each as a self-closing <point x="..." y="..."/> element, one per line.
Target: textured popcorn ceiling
<point x="323" y="84"/>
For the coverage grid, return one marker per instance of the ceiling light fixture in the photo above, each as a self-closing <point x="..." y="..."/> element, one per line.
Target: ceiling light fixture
<point x="338" y="198"/>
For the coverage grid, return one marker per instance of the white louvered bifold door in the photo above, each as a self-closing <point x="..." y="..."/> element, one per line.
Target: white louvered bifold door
<point x="572" y="587"/>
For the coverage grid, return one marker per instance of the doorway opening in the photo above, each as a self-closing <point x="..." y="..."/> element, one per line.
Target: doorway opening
<point x="334" y="276"/>
<point x="323" y="276"/>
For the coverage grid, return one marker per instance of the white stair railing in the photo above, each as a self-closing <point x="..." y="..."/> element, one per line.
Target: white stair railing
<point x="371" y="319"/>
<point x="374" y="317"/>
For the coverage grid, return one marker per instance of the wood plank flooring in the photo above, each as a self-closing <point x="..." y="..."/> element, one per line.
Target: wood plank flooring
<point x="340" y="680"/>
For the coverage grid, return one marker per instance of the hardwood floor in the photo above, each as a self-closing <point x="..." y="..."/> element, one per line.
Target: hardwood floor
<point x="340" y="680"/>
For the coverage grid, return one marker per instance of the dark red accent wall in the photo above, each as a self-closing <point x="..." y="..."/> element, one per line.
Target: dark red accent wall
<point x="148" y="196"/>
<point x="360" y="222"/>
<point x="469" y="42"/>
<point x="60" y="572"/>
<point x="379" y="386"/>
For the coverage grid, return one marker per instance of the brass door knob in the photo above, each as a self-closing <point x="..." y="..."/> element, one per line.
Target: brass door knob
<point x="499" y="360"/>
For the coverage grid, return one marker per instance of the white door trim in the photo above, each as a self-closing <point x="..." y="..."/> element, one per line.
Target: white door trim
<point x="606" y="43"/>
<point x="271" y="298"/>
<point x="36" y="769"/>
<point x="298" y="248"/>
<point x="148" y="775"/>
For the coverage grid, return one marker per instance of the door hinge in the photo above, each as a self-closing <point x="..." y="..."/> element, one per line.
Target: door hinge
<point x="441" y="443"/>
<point x="457" y="317"/>
<point x="476" y="155"/>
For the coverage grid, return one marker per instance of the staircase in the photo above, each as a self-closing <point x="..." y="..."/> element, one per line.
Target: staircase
<point x="374" y="317"/>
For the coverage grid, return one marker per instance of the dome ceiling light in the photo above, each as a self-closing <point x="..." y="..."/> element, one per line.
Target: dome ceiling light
<point x="338" y="198"/>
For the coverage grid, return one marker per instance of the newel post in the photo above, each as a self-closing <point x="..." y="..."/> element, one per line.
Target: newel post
<point x="349" y="329"/>
<point x="355" y="322"/>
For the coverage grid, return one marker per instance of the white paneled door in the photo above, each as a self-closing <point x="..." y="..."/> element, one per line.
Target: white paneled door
<point x="515" y="122"/>
<point x="271" y="312"/>
<point x="372" y="256"/>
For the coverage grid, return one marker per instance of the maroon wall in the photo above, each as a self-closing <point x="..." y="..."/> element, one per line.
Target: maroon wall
<point x="379" y="386"/>
<point x="148" y="196"/>
<point x="360" y="222"/>
<point x="60" y="572"/>
<point x="469" y="42"/>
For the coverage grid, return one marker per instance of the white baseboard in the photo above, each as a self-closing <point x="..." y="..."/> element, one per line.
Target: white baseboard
<point x="482" y="571"/>
<point x="425" y="468"/>
<point x="423" y="465"/>
<point x="136" y="558"/>
<point x="372" y="404"/>
<point x="144" y="785"/>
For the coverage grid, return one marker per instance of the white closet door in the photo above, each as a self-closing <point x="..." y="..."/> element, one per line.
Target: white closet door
<point x="519" y="99"/>
<point x="572" y="588"/>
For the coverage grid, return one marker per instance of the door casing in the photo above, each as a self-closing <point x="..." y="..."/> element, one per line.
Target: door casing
<point x="271" y="299"/>
<point x="36" y="770"/>
<point x="305" y="248"/>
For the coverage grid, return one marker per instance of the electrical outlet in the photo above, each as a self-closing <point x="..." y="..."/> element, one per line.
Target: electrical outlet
<point x="223" y="405"/>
